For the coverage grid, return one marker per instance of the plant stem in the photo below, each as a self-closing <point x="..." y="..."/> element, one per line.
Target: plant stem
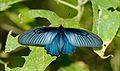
<point x="80" y="10"/>
<point x="67" y="4"/>
<point x="84" y="2"/>
<point x="102" y="51"/>
<point x="79" y="7"/>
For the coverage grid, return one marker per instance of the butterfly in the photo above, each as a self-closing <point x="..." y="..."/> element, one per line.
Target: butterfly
<point x="60" y="40"/>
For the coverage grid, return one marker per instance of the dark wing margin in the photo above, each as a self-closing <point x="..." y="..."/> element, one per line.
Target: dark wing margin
<point x="79" y="37"/>
<point x="38" y="36"/>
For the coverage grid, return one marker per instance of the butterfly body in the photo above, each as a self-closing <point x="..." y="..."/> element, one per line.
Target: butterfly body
<point x="60" y="40"/>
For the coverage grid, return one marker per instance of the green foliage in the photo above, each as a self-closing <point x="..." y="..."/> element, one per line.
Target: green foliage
<point x="4" y="4"/>
<point x="11" y="45"/>
<point x="105" y="17"/>
<point x="54" y="19"/>
<point x="18" y="14"/>
<point x="37" y="59"/>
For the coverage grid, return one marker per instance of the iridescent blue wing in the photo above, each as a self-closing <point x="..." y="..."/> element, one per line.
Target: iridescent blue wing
<point x="38" y="36"/>
<point x="79" y="37"/>
<point x="60" y="44"/>
<point x="54" y="47"/>
<point x="67" y="47"/>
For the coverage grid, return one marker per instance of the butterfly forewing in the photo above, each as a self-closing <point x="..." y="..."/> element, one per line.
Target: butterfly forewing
<point x="38" y="36"/>
<point x="79" y="37"/>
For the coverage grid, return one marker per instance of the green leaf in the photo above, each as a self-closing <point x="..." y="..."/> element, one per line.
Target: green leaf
<point x="15" y="17"/>
<point x="106" y="24"/>
<point x="5" y="4"/>
<point x="54" y="19"/>
<point x="37" y="60"/>
<point x="11" y="43"/>
<point x="70" y="23"/>
<point x="51" y="16"/>
<point x="104" y="4"/>
<point x="106" y="18"/>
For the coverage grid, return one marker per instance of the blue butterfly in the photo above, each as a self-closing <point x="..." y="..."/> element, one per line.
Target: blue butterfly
<point x="60" y="40"/>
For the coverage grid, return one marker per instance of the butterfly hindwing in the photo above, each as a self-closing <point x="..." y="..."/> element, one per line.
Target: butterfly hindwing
<point x="54" y="47"/>
<point x="68" y="47"/>
<point x="79" y="37"/>
<point x="60" y="44"/>
<point x="38" y="36"/>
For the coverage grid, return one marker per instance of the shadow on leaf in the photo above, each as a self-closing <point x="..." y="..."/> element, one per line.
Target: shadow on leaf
<point x="85" y="54"/>
<point x="15" y="58"/>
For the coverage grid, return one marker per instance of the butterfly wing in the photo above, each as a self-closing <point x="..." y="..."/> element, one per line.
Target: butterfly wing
<point x="54" y="47"/>
<point x="38" y="36"/>
<point x="60" y="44"/>
<point x="79" y="37"/>
<point x="67" y="47"/>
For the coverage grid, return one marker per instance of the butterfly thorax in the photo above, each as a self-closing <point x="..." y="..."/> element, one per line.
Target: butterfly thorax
<point x="61" y="28"/>
<point x="60" y="37"/>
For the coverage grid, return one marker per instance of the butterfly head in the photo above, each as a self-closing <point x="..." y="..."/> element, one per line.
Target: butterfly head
<point x="60" y="27"/>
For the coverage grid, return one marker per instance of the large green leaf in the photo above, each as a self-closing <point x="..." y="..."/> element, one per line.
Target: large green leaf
<point x="54" y="19"/>
<point x="106" y="21"/>
<point x="106" y="18"/>
<point x="106" y="25"/>
<point x="37" y="60"/>
<point x="11" y="43"/>
<point x="51" y="16"/>
<point x="5" y="4"/>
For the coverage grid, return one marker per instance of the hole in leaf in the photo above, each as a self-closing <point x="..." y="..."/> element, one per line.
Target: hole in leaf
<point x="98" y="11"/>
<point x="42" y="21"/>
<point x="111" y="9"/>
<point x="118" y="8"/>
<point x="15" y="58"/>
<point x="105" y="45"/>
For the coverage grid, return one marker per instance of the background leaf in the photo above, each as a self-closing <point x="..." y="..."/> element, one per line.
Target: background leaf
<point x="4" y="4"/>
<point x="37" y="59"/>
<point x="105" y="16"/>
<point x="51" y="16"/>
<point x="11" y="45"/>
<point x="54" y="19"/>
